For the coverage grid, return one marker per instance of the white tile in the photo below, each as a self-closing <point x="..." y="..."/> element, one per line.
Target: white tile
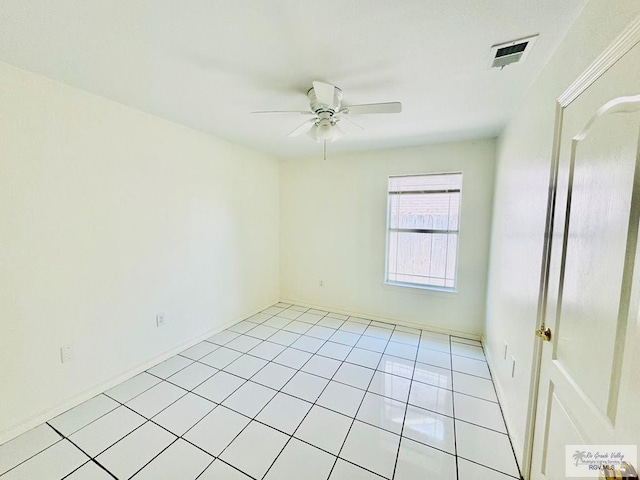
<point x="378" y="332"/>
<point x="199" y="350"/>
<point x="430" y="428"/>
<point x="354" y="375"/>
<point x="399" y="336"/>
<point x="372" y="343"/>
<point x="324" y="429"/>
<point x="353" y="327"/>
<point x="132" y="387"/>
<point x="293" y="358"/>
<point x="470" y="366"/>
<point x="486" y="447"/>
<point x="217" y="430"/>
<point x="259" y="318"/>
<point x="382" y="412"/>
<point x="432" y="398"/>
<point x="308" y="344"/>
<point x="481" y="412"/>
<point x="339" y="316"/>
<point x="390" y="386"/>
<point x="290" y="313"/>
<point x="402" y="328"/>
<point x="284" y="412"/>
<point x="330" y="323"/>
<point x="219" y="387"/>
<point x="401" y="350"/>
<point x="184" y="414"/>
<point x="434" y="357"/>
<point x="372" y="448"/>
<point x="220" y="358"/>
<point x="322" y="313"/>
<point x="277" y="322"/>
<point x="432" y="375"/>
<point x="341" y="398"/>
<point x="320" y="332"/>
<point x="366" y="358"/>
<point x="246" y="366"/>
<point x="321" y="366"/>
<point x="267" y="350"/>
<point x="106" y="430"/>
<point x="243" y="343"/>
<point x="249" y="399"/>
<point x="192" y="376"/>
<point x="25" y="446"/>
<point x="298" y="308"/>
<point x="284" y="338"/>
<point x="417" y="462"/>
<point x="273" y="310"/>
<point x="156" y="399"/>
<point x="180" y="461"/>
<point x="309" y="318"/>
<point x="170" y="366"/>
<point x="297" y="327"/>
<point x="464" y="350"/>
<point x="255" y="449"/>
<point x="348" y="471"/>
<point x="472" y="471"/>
<point x="262" y="332"/>
<point x="223" y="337"/>
<point x="82" y="415"/>
<point x="345" y="338"/>
<point x="274" y="376"/>
<point x="54" y="463"/>
<point x="242" y="327"/>
<point x="388" y="326"/>
<point x="301" y="460"/>
<point x="396" y="366"/>
<point x="468" y="341"/>
<point x="132" y="452"/>
<point x="305" y="386"/>
<point x="89" y="471"/>
<point x="476" y="386"/>
<point x="335" y="350"/>
<point x="360" y="320"/>
<point x="221" y="471"/>
<point x="436" y="342"/>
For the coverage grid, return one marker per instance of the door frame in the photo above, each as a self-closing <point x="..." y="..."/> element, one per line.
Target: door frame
<point x="620" y="46"/>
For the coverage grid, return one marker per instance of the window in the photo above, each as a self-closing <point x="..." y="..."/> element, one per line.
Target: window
<point x="422" y="230"/>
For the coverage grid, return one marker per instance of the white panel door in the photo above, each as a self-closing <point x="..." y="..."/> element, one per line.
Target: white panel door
<point x="589" y="390"/>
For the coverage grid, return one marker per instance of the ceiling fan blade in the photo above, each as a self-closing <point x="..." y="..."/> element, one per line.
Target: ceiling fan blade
<point x="304" y="128"/>
<point x="301" y="112"/>
<point x="324" y="92"/>
<point x="389" y="107"/>
<point x="350" y="121"/>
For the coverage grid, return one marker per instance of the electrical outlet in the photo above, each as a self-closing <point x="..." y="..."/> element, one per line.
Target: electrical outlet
<point x="66" y="353"/>
<point x="160" y="320"/>
<point x="322" y="283"/>
<point x="513" y="367"/>
<point x="506" y="349"/>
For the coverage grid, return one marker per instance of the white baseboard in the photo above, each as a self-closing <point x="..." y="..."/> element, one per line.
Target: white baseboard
<point x="398" y="321"/>
<point x="517" y="446"/>
<point x="76" y="400"/>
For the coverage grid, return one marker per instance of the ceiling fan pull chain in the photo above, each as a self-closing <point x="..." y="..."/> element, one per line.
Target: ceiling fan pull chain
<point x="324" y="150"/>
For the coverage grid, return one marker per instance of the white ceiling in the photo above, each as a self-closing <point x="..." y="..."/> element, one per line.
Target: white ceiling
<point x="207" y="63"/>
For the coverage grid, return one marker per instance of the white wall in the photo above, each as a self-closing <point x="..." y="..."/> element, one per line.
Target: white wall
<point x="108" y="216"/>
<point x="333" y="227"/>
<point x="522" y="177"/>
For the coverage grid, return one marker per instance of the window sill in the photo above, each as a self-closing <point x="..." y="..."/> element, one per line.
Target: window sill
<point x="421" y="287"/>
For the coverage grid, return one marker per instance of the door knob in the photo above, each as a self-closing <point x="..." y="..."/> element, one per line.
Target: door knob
<point x="544" y="333"/>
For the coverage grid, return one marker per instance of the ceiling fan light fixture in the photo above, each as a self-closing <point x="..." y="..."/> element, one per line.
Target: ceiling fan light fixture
<point x="324" y="130"/>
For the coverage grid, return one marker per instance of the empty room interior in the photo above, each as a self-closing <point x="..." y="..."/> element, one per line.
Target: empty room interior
<point x="356" y="240"/>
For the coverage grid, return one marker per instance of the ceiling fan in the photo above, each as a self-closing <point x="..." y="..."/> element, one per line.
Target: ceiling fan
<point x="327" y="111"/>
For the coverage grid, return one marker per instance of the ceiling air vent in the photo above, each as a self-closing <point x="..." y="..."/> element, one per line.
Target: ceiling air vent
<point x="511" y="52"/>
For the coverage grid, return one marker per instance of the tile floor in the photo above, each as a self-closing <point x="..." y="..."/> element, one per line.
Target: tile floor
<point x="287" y="393"/>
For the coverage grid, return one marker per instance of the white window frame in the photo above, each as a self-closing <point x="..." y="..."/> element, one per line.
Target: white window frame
<point x="420" y="286"/>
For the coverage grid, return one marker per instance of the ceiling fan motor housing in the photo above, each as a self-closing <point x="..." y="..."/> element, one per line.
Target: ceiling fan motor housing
<point x="319" y="108"/>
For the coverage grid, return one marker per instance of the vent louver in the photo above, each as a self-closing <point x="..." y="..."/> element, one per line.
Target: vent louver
<point x="511" y="52"/>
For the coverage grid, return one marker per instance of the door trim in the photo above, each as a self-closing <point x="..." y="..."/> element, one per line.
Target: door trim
<point x="620" y="46"/>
